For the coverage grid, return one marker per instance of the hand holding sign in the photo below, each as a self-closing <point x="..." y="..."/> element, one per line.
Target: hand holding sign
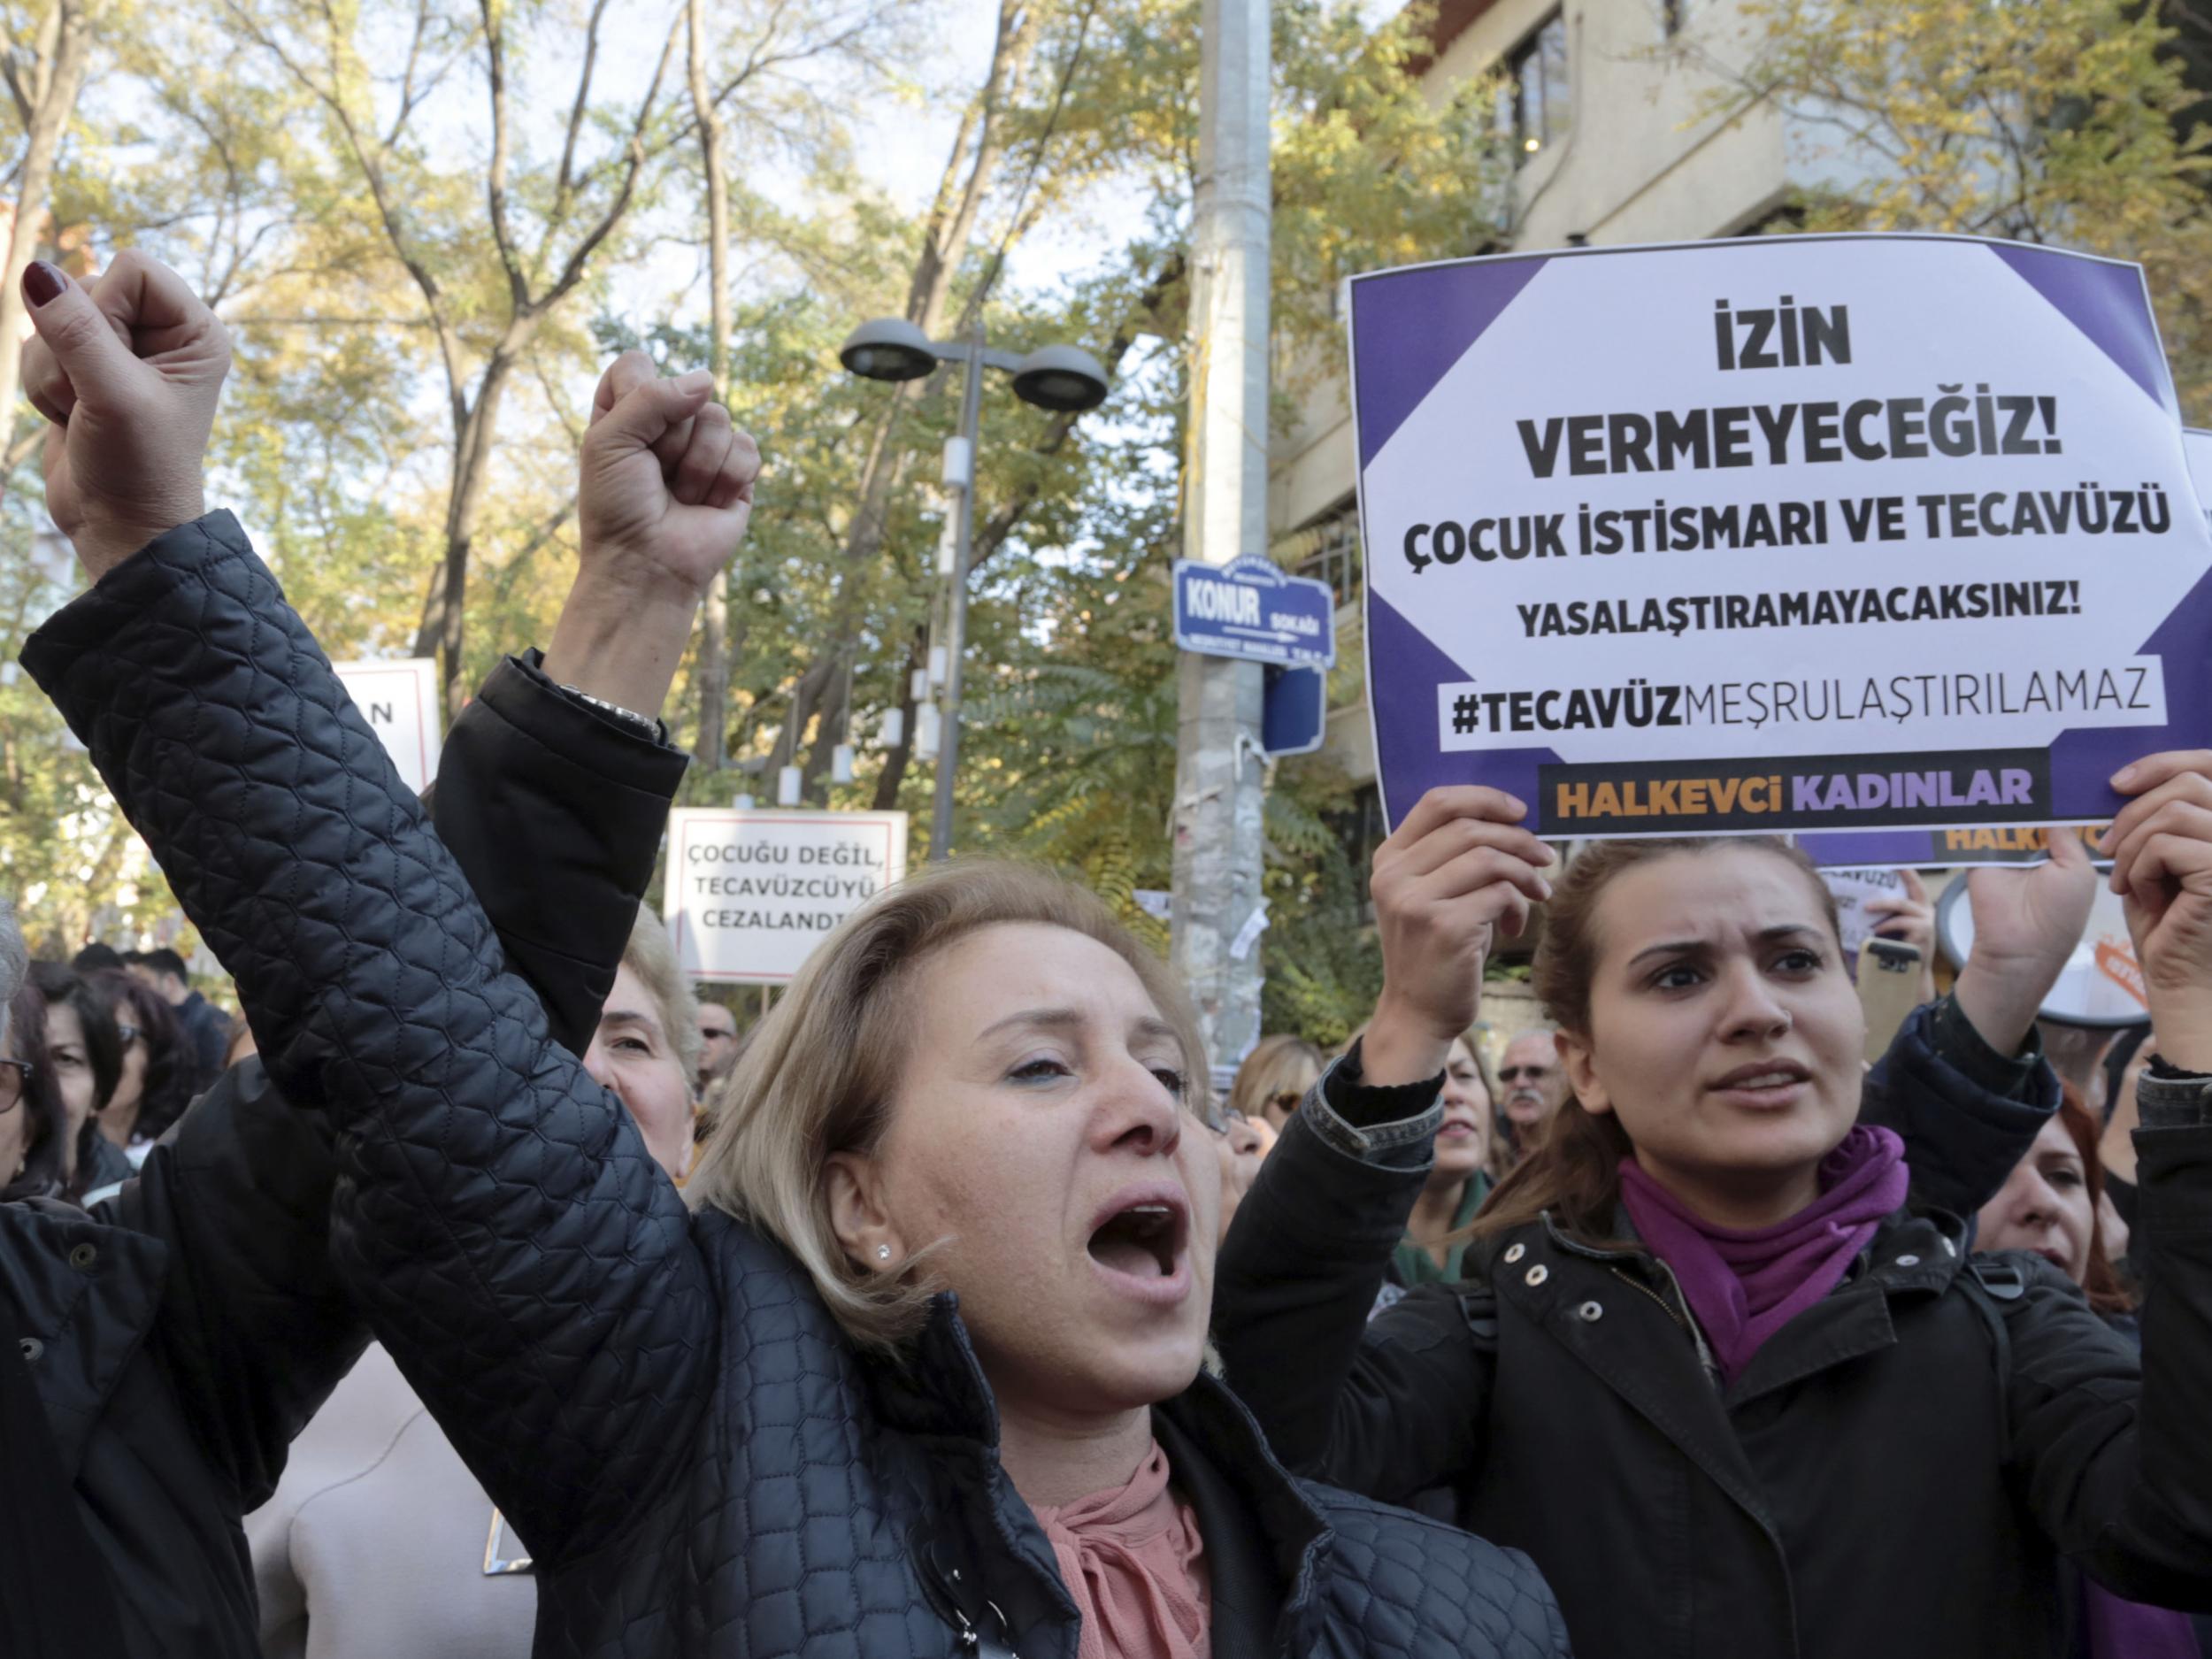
<point x="2027" y="922"/>
<point x="1908" y="916"/>
<point x="1460" y="867"/>
<point x="2161" y="866"/>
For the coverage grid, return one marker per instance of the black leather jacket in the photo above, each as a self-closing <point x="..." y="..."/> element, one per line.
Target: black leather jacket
<point x="185" y="1331"/>
<point x="698" y="1460"/>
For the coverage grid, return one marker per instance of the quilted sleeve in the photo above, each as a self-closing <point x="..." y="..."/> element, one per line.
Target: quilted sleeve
<point x="555" y="809"/>
<point x="497" y="1215"/>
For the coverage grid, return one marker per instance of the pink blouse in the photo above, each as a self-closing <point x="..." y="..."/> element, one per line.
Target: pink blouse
<point x="1131" y="1558"/>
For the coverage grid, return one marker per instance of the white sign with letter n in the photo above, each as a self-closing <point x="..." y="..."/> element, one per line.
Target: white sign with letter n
<point x="751" y="892"/>
<point x="400" y="702"/>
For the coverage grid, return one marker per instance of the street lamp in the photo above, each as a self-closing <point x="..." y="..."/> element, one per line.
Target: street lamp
<point x="1065" y="380"/>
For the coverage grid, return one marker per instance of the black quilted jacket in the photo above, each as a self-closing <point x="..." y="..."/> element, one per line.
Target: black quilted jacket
<point x="184" y="1333"/>
<point x="696" y="1458"/>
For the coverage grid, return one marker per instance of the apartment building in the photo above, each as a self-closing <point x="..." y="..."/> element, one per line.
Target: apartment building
<point x="1606" y="105"/>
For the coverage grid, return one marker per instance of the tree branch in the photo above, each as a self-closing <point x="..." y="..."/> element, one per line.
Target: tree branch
<point x="495" y="176"/>
<point x="565" y="180"/>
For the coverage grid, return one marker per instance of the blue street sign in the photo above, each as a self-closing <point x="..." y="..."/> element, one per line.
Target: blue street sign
<point x="1296" y="711"/>
<point x="1249" y="609"/>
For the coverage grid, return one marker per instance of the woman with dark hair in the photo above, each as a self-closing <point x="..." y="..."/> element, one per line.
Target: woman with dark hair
<point x="33" y="1123"/>
<point x="154" y="1084"/>
<point x="87" y="1055"/>
<point x="2048" y="1206"/>
<point x="1720" y="1367"/>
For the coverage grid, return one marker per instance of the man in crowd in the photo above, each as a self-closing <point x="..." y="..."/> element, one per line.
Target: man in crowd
<point x="204" y="1029"/>
<point x="1534" y="1084"/>
<point x="718" y="1045"/>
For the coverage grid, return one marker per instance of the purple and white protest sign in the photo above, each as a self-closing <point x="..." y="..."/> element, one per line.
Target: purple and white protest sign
<point x="1783" y="533"/>
<point x="1943" y="849"/>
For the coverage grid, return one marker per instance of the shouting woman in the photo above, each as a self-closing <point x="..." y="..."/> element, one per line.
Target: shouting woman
<point x="919" y="1374"/>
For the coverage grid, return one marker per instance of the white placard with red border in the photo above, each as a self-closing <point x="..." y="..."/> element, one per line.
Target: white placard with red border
<point x="400" y="702"/>
<point x="751" y="891"/>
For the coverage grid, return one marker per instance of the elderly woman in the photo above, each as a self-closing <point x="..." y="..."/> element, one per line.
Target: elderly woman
<point x="919" y="1371"/>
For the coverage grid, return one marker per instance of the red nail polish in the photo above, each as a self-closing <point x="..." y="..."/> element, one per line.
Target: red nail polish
<point x="42" y="283"/>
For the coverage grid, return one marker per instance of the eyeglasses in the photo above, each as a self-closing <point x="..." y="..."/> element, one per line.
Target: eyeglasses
<point x="15" y="1076"/>
<point x="1514" y="1073"/>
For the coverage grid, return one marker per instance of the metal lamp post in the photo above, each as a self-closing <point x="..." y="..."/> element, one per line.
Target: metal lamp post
<point x="1063" y="379"/>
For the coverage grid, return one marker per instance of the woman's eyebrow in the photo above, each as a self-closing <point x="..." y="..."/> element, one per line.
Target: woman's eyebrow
<point x="1037" y="1018"/>
<point x="630" y="1017"/>
<point x="1671" y="947"/>
<point x="1766" y="936"/>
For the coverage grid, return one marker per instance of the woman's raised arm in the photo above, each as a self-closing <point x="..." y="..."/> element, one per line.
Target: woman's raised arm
<point x="501" y="1223"/>
<point x="2121" y="1479"/>
<point x="1390" y="1408"/>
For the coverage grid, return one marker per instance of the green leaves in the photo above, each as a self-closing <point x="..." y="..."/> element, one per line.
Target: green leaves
<point x="2066" y="122"/>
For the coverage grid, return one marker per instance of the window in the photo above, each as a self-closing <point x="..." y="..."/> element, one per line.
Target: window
<point x="1326" y="547"/>
<point x="1540" y="94"/>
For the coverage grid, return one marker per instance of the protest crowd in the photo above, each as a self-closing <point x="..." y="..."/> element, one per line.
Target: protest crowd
<point x="482" y="1290"/>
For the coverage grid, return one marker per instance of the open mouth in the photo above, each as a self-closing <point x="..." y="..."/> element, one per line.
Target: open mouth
<point x="1142" y="1233"/>
<point x="1764" y="1075"/>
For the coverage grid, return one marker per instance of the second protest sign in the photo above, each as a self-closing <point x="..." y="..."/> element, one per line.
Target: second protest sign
<point x="1777" y="534"/>
<point x="751" y="891"/>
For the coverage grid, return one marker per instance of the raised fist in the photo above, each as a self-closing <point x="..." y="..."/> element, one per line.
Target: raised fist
<point x="130" y="371"/>
<point x="665" y="486"/>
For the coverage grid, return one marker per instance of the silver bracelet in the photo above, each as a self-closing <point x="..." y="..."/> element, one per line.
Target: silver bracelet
<point x="651" y="725"/>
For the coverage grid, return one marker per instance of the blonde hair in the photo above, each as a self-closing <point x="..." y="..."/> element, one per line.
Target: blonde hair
<point x="651" y="957"/>
<point x="1280" y="1065"/>
<point x="819" y="1073"/>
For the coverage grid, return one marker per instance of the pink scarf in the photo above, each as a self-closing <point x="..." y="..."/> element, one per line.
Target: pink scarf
<point x="1745" y="1286"/>
<point x="1131" y="1558"/>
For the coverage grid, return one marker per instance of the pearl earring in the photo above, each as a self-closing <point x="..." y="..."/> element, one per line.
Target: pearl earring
<point x="883" y="1252"/>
